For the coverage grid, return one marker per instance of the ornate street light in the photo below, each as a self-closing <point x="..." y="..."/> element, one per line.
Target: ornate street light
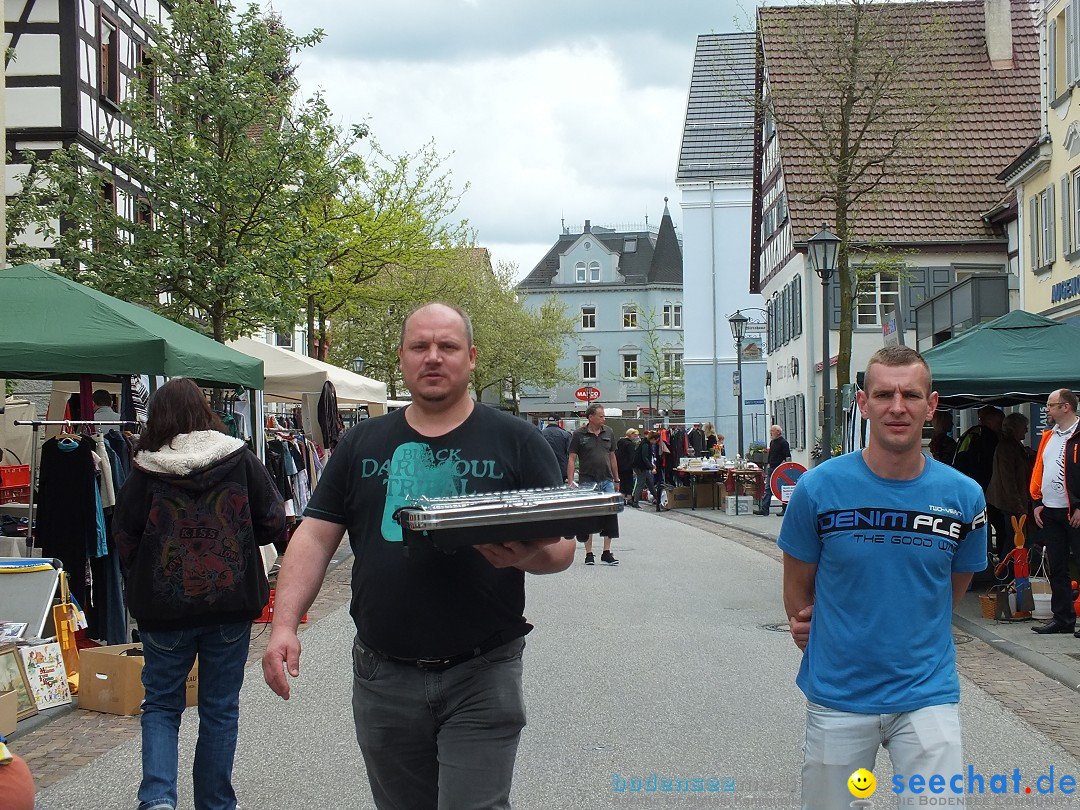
<point x="824" y="247"/>
<point x="738" y="331"/>
<point x="358" y="365"/>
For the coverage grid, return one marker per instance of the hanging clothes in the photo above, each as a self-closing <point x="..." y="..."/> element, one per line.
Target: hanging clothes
<point x="329" y="418"/>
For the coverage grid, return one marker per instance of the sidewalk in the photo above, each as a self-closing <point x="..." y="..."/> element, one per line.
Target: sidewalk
<point x="1056" y="656"/>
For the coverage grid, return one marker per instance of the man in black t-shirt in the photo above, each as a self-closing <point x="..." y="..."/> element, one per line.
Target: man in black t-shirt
<point x="437" y="696"/>
<point x="592" y="446"/>
<point x="779" y="452"/>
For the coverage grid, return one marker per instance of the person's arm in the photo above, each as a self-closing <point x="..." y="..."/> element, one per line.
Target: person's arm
<point x="303" y="569"/>
<point x="571" y="463"/>
<point x="614" y="467"/>
<point x="799" y="579"/>
<point x="961" y="580"/>
<point x="547" y="556"/>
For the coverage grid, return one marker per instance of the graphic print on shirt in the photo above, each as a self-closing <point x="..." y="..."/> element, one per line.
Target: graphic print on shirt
<point x="1058" y="484"/>
<point x="940" y="526"/>
<point x="415" y="471"/>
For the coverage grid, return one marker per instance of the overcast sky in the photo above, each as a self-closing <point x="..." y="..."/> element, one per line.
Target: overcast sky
<point x="551" y="109"/>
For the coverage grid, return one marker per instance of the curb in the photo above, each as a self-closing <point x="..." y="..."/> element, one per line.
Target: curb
<point x="1063" y="675"/>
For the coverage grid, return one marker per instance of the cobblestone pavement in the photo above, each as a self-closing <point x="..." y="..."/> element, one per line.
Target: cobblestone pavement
<point x="1045" y="703"/>
<point x="75" y="738"/>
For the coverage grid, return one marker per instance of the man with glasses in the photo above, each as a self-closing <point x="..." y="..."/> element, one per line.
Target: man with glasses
<point x="1055" y="488"/>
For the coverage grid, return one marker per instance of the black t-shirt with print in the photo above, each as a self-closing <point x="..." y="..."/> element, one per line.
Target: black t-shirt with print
<point x="428" y="604"/>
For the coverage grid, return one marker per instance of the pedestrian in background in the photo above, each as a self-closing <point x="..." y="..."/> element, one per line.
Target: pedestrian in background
<point x="188" y="523"/>
<point x="779" y="452"/>
<point x="1055" y="490"/>
<point x="625" y="450"/>
<point x="875" y="618"/>
<point x="712" y="440"/>
<point x="594" y="444"/>
<point x="1010" y="481"/>
<point x="942" y="445"/>
<point x="558" y="439"/>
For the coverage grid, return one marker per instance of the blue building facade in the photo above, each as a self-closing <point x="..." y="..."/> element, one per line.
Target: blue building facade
<point x="624" y="290"/>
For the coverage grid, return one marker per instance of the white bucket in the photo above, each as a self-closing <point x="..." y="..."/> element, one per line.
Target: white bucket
<point x="1042" y="606"/>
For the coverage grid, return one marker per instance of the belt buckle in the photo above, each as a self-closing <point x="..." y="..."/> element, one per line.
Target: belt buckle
<point x="432" y="664"/>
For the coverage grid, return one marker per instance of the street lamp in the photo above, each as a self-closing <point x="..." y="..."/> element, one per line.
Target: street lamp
<point x="648" y="381"/>
<point x="823" y="248"/>
<point x="738" y="331"/>
<point x="358" y="365"/>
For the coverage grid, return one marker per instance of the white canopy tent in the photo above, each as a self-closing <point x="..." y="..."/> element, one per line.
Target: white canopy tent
<point x="289" y="376"/>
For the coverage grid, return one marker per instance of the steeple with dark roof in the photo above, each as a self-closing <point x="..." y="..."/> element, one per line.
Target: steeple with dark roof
<point x="666" y="267"/>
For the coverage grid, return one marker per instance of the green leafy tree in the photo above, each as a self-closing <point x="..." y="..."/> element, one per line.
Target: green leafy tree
<point x="658" y="345"/>
<point x="224" y="157"/>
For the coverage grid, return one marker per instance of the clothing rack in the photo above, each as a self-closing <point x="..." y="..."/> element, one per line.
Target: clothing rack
<point x="35" y="424"/>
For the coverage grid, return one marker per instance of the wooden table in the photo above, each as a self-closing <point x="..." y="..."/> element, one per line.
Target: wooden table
<point x="735" y="481"/>
<point x="704" y="474"/>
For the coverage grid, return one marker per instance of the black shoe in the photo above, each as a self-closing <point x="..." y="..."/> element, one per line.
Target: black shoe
<point x="589" y="559"/>
<point x="759" y="512"/>
<point x="1054" y="626"/>
<point x="607" y="558"/>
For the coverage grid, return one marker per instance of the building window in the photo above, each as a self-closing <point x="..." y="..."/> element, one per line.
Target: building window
<point x="672" y="316"/>
<point x="146" y="72"/>
<point x="109" y="50"/>
<point x="883" y="290"/>
<point x="588" y="317"/>
<point x="594" y="272"/>
<point x="588" y="366"/>
<point x="579" y="272"/>
<point x="629" y="366"/>
<point x="629" y="316"/>
<point x="144" y="215"/>
<point x="283" y="339"/>
<point x="1076" y="209"/>
<point x="629" y="245"/>
<point x="108" y="195"/>
<point x="672" y="365"/>
<point x="1043" y="251"/>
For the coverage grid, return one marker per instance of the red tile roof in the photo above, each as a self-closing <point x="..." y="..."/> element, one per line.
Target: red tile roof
<point x="995" y="116"/>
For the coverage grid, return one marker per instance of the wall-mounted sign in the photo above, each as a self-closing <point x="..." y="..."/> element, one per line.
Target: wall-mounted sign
<point x="587" y="393"/>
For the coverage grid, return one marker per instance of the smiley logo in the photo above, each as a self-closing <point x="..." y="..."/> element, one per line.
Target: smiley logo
<point x="862" y="784"/>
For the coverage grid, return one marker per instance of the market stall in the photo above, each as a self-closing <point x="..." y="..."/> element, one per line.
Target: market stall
<point x="57" y="329"/>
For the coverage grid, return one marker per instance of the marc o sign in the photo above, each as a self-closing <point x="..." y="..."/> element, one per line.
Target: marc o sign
<point x="587" y="393"/>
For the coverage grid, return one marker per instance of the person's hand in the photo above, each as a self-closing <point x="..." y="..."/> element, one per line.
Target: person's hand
<point x="799" y="625"/>
<point x="1074" y="519"/>
<point x="1037" y="512"/>
<point x="513" y="553"/>
<point x="282" y="651"/>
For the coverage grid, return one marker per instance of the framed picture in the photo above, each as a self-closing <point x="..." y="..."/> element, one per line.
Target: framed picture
<point x="46" y="674"/>
<point x="12" y="678"/>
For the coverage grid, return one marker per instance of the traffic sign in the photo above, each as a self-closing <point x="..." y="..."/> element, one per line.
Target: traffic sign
<point x="587" y="393"/>
<point x="782" y="480"/>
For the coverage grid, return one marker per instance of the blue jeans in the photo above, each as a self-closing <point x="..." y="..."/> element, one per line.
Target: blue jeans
<point x="167" y="659"/>
<point x="444" y="739"/>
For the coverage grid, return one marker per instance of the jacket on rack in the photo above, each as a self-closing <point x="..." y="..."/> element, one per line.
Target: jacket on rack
<point x="189" y="521"/>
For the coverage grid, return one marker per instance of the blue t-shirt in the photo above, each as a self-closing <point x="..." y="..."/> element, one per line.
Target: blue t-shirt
<point x="881" y="632"/>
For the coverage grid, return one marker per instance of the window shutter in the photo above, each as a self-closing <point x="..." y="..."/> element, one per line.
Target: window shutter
<point x="1034" y="230"/>
<point x="798" y="305"/>
<point x="1070" y="45"/>
<point x="916" y="291"/>
<point x="1051" y="247"/>
<point x="1051" y="60"/>
<point x="1066" y="231"/>
<point x="834" y="303"/>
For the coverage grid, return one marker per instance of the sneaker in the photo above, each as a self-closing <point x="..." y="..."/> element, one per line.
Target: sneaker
<point x="607" y="558"/>
<point x="589" y="559"/>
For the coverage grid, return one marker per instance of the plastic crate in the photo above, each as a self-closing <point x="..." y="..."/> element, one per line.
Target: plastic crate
<point x="15" y="476"/>
<point x="15" y="494"/>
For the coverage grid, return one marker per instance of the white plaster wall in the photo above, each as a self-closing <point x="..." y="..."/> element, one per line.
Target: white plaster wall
<point x="44" y="11"/>
<point x="35" y="55"/>
<point x="33" y="107"/>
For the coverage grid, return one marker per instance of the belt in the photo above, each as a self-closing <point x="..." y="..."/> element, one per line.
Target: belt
<point x="441" y="664"/>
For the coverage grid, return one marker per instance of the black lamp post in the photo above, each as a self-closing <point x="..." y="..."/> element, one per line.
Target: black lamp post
<point x="358" y="365"/>
<point x="648" y="381"/>
<point x="823" y="248"/>
<point x="738" y="331"/>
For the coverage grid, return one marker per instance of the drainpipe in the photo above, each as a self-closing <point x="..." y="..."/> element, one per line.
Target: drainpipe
<point x="712" y="273"/>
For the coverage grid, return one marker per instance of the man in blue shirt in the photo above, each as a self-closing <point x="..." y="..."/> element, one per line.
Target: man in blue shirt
<point x="879" y="546"/>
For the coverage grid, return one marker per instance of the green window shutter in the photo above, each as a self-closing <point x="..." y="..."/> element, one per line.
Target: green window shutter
<point x="916" y="290"/>
<point x="1034" y="232"/>
<point x="1066" y="231"/>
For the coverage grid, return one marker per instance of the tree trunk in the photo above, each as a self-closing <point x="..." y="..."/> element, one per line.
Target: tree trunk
<point x="311" y="327"/>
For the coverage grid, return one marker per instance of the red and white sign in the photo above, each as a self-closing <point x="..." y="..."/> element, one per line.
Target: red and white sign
<point x="782" y="480"/>
<point x="587" y="393"/>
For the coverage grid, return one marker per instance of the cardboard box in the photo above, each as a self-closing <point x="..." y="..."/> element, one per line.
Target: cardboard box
<point x="111" y="682"/>
<point x="678" y="498"/>
<point x="745" y="504"/>
<point x="9" y="710"/>
<point x="709" y="495"/>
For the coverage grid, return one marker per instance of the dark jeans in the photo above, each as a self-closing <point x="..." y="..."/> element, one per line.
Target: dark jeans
<point x="1003" y="531"/>
<point x="441" y="740"/>
<point x="167" y="658"/>
<point x="1061" y="541"/>
<point x="644" y="479"/>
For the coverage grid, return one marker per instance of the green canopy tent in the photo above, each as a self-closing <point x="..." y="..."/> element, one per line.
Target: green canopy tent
<point x="55" y="329"/>
<point x="1019" y="357"/>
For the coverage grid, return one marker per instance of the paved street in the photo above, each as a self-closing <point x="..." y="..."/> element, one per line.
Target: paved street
<point x="668" y="664"/>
